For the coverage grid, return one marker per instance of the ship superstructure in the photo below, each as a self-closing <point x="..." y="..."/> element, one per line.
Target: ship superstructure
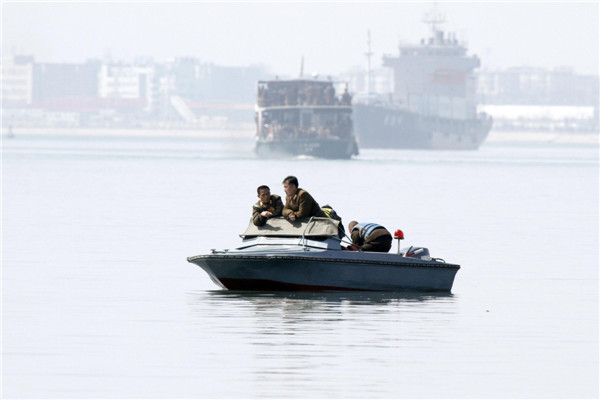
<point x="433" y="105"/>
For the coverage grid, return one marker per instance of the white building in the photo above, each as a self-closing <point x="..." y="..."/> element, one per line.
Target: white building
<point x="127" y="82"/>
<point x="17" y="81"/>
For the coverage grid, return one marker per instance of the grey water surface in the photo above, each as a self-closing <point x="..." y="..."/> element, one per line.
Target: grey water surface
<point x="98" y="300"/>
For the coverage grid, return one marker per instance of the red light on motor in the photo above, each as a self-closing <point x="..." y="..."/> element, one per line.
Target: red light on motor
<point x="399" y="234"/>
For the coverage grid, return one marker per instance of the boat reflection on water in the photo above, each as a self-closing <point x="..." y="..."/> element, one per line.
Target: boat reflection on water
<point x="314" y="343"/>
<point x="328" y="304"/>
<point x="349" y="297"/>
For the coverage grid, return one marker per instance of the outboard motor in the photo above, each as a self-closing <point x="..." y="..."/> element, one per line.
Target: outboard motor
<point x="421" y="253"/>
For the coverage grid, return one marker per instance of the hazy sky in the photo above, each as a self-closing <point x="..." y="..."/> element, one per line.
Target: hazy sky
<point x="330" y="36"/>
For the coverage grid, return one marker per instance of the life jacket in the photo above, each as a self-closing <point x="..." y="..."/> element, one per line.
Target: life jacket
<point x="330" y="213"/>
<point x="365" y="228"/>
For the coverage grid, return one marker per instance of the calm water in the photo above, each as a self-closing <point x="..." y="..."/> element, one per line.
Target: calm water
<point x="98" y="300"/>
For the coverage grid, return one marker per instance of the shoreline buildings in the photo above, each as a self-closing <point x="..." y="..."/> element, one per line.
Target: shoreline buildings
<point x="187" y="93"/>
<point x="182" y="92"/>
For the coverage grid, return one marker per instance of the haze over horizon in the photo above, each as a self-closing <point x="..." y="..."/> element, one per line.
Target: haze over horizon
<point x="332" y="37"/>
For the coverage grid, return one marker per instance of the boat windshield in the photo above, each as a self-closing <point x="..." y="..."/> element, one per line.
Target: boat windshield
<point x="307" y="227"/>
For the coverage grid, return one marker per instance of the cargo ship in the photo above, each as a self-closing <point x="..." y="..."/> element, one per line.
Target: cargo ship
<point x="433" y="104"/>
<point x="303" y="117"/>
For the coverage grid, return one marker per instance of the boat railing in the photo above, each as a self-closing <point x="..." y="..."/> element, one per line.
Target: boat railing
<point x="304" y="234"/>
<point x="304" y="241"/>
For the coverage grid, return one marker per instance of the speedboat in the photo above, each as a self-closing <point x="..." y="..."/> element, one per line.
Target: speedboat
<point x="308" y="255"/>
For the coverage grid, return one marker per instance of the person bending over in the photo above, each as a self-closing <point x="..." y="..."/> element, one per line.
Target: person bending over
<point x="368" y="236"/>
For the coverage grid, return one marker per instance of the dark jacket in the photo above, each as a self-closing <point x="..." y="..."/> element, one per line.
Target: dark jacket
<point x="275" y="206"/>
<point x="302" y="205"/>
<point x="380" y="239"/>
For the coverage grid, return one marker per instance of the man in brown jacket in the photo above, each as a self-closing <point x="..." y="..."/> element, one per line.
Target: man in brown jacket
<point x="368" y="236"/>
<point x="298" y="202"/>
<point x="268" y="206"/>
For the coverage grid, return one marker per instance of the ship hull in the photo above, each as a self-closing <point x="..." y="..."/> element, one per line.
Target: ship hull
<point x="299" y="272"/>
<point x="319" y="148"/>
<point x="384" y="127"/>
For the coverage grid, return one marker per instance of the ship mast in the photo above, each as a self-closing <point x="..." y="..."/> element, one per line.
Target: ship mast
<point x="369" y="53"/>
<point x="434" y="18"/>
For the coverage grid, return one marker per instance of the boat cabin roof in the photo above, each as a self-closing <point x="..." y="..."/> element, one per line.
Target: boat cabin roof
<point x="298" y="83"/>
<point x="306" y="227"/>
<point x="296" y="80"/>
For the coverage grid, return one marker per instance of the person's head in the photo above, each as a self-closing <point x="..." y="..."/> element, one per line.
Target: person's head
<point x="264" y="193"/>
<point x="351" y="225"/>
<point x="290" y="185"/>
